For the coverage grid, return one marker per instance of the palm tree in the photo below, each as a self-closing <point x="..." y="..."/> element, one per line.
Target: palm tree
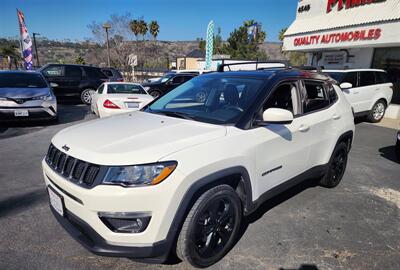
<point x="135" y="28"/>
<point x="143" y="28"/>
<point x="282" y="34"/>
<point x="154" y="29"/>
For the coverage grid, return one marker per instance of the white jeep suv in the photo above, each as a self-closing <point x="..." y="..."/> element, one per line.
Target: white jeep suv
<point x="369" y="91"/>
<point x="180" y="175"/>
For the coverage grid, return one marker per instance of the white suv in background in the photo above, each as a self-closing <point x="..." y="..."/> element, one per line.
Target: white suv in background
<point x="180" y="175"/>
<point x="369" y="91"/>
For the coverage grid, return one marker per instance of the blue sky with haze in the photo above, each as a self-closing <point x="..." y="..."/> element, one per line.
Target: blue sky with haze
<point x="178" y="19"/>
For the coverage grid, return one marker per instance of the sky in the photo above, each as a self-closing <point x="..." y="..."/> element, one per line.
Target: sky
<point x="178" y="19"/>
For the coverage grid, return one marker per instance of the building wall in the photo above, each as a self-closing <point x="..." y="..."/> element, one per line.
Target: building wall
<point x="336" y="59"/>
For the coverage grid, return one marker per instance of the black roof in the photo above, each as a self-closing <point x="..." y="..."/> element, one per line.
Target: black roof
<point x="273" y="72"/>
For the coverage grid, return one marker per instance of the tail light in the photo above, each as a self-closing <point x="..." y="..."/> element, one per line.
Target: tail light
<point x="110" y="105"/>
<point x="120" y="79"/>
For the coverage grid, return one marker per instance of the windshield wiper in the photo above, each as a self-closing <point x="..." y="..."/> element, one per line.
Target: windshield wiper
<point x="176" y="114"/>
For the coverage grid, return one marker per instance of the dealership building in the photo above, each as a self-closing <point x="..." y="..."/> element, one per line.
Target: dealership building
<point x="346" y="34"/>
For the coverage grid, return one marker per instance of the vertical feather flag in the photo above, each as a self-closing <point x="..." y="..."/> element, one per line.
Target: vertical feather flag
<point x="26" y="42"/>
<point x="209" y="45"/>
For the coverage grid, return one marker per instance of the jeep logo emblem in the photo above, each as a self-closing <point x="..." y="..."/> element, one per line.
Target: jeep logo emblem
<point x="65" y="147"/>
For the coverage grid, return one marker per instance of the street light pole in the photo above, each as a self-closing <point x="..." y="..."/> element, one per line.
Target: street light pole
<point x="107" y="26"/>
<point x="36" y="52"/>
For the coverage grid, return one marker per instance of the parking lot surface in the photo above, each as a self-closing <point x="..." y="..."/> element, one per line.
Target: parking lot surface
<point x="354" y="226"/>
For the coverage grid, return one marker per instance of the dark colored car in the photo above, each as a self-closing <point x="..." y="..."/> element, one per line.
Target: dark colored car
<point x="167" y="83"/>
<point x="398" y="146"/>
<point x="113" y="74"/>
<point x="74" y="80"/>
<point x="26" y="96"/>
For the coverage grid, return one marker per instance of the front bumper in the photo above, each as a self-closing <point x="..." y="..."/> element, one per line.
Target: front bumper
<point x="91" y="240"/>
<point x="37" y="110"/>
<point x="82" y="207"/>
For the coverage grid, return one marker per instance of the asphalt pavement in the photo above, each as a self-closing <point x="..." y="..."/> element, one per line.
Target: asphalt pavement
<point x="354" y="226"/>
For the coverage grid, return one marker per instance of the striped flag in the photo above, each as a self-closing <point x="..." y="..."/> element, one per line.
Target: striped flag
<point x="26" y="41"/>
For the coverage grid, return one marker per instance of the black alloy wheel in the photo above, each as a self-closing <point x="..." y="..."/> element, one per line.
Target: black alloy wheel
<point x="211" y="227"/>
<point x="336" y="167"/>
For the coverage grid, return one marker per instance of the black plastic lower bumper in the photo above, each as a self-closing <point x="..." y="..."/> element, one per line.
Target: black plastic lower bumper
<point x="34" y="115"/>
<point x="91" y="240"/>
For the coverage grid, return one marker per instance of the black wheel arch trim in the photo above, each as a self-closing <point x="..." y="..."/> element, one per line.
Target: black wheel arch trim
<point x="203" y="184"/>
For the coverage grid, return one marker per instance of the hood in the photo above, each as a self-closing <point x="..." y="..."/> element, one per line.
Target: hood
<point x="23" y="92"/>
<point x="134" y="138"/>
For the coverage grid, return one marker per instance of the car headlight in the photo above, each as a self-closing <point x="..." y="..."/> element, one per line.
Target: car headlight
<point x="44" y="98"/>
<point x="398" y="136"/>
<point x="139" y="175"/>
<point x="147" y="88"/>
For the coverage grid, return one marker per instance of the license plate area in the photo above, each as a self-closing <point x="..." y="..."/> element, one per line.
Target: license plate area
<point x="21" y="113"/>
<point x="56" y="201"/>
<point x="132" y="105"/>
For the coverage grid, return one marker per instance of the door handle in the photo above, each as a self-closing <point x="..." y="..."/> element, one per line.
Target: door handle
<point x="304" y="128"/>
<point x="336" y="117"/>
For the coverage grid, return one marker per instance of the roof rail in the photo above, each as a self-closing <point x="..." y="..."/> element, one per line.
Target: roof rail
<point x="221" y="68"/>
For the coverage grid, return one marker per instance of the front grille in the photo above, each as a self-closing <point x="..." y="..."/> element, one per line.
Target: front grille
<point x="74" y="169"/>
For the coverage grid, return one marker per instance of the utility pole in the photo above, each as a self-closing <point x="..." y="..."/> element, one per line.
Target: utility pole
<point x="36" y="52"/>
<point x="107" y="26"/>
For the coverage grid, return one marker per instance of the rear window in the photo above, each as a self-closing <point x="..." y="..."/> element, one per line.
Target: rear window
<point x="21" y="80"/>
<point x="95" y="73"/>
<point x="381" y="77"/>
<point x="125" y="89"/>
<point x="107" y="72"/>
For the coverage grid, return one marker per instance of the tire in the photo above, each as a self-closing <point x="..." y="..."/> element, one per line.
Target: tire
<point x="155" y="93"/>
<point x="208" y="210"/>
<point x="336" y="167"/>
<point x="377" y="112"/>
<point x="86" y="96"/>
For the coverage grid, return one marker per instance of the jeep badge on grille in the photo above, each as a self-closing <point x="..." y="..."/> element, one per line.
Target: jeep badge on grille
<point x="65" y="147"/>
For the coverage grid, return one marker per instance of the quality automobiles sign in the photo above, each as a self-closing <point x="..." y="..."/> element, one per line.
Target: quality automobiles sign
<point x="339" y="37"/>
<point x="349" y="4"/>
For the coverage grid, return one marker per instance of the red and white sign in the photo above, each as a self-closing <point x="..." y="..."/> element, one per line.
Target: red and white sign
<point x="349" y="4"/>
<point x="338" y="37"/>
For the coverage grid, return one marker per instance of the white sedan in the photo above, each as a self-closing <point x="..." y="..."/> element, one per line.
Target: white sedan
<point x="119" y="97"/>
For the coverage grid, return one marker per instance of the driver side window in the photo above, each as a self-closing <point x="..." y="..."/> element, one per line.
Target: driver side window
<point x="284" y="97"/>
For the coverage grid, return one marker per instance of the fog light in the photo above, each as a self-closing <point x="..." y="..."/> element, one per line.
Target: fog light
<point x="126" y="222"/>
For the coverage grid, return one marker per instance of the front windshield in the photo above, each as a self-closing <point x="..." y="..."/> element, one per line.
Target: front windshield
<point x="217" y="100"/>
<point x="166" y="78"/>
<point x="21" y="80"/>
<point x="337" y="76"/>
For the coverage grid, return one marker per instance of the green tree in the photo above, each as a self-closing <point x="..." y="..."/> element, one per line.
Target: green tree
<point x="154" y="29"/>
<point x="80" y="60"/>
<point x="143" y="28"/>
<point x="295" y="58"/>
<point x="135" y="28"/>
<point x="9" y="50"/>
<point x="239" y="46"/>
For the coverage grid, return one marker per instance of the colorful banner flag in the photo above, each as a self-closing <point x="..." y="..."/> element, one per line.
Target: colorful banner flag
<point x="209" y="45"/>
<point x="26" y="42"/>
<point x="252" y="31"/>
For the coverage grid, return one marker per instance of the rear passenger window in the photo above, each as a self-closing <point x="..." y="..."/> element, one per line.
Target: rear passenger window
<point x="100" y="89"/>
<point x="367" y="78"/>
<point x="381" y="77"/>
<point x="74" y="72"/>
<point x="350" y="77"/>
<point x="314" y="96"/>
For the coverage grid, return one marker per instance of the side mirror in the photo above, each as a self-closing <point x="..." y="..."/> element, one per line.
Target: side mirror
<point x="277" y="116"/>
<point x="52" y="85"/>
<point x="346" y="86"/>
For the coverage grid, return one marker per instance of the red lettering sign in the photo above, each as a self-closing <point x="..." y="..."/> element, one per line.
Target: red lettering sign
<point x="349" y="4"/>
<point x="339" y="37"/>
